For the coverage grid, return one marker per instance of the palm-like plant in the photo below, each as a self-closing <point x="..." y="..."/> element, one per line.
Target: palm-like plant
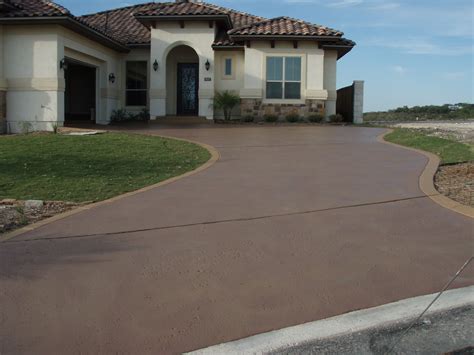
<point x="226" y="101"/>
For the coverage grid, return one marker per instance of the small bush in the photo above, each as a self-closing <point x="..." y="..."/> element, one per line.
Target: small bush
<point x="336" y="118"/>
<point x="26" y="127"/>
<point x="143" y="115"/>
<point x="226" y="101"/>
<point x="293" y="118"/>
<point x="270" y="118"/>
<point x="55" y="128"/>
<point x="248" y="119"/>
<point x="316" y="118"/>
<point x="119" y="115"/>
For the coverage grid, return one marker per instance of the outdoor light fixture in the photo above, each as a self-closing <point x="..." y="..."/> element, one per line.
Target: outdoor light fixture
<point x="208" y="65"/>
<point x="155" y="65"/>
<point x="112" y="78"/>
<point x="63" y="64"/>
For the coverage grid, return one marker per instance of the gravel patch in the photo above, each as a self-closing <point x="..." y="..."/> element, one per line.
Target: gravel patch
<point x="457" y="182"/>
<point x="459" y="131"/>
<point x="16" y="214"/>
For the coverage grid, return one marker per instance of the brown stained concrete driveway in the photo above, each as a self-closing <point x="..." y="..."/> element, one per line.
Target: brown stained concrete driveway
<point x="292" y="224"/>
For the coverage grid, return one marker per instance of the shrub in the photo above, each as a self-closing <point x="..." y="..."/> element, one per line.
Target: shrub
<point x="55" y="127"/>
<point x="143" y="115"/>
<point x="293" y="117"/>
<point x="248" y="119"/>
<point x="316" y="118"/>
<point x="26" y="127"/>
<point x="336" y="118"/>
<point x="226" y="101"/>
<point x="119" y="115"/>
<point x="270" y="118"/>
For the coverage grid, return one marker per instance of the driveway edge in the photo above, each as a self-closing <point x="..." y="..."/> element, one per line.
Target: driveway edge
<point x="215" y="156"/>
<point x="426" y="181"/>
<point x="354" y="322"/>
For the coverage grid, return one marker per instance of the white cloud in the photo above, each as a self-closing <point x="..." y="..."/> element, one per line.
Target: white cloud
<point x="420" y="46"/>
<point x="384" y="6"/>
<point x="399" y="69"/>
<point x="454" y="75"/>
<point x="345" y="3"/>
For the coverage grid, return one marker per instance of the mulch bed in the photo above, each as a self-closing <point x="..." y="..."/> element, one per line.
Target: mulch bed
<point x="457" y="182"/>
<point x="14" y="214"/>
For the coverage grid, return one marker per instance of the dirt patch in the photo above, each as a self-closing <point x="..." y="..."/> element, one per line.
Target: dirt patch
<point x="457" y="182"/>
<point x="15" y="214"/>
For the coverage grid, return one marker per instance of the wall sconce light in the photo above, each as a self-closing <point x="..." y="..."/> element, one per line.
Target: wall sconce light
<point x="155" y="65"/>
<point x="112" y="78"/>
<point x="208" y="65"/>
<point x="63" y="64"/>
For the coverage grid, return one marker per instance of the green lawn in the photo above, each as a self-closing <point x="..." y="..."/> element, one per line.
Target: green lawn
<point x="448" y="150"/>
<point x="90" y="168"/>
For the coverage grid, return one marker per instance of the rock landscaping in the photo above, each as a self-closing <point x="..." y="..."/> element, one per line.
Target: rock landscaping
<point x="16" y="214"/>
<point x="457" y="182"/>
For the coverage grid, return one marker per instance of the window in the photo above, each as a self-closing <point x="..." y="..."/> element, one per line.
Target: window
<point x="284" y="78"/>
<point x="136" y="86"/>
<point x="228" y="68"/>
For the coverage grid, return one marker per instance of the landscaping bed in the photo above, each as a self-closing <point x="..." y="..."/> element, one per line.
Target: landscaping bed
<point x="16" y="214"/>
<point x="455" y="177"/>
<point x="457" y="182"/>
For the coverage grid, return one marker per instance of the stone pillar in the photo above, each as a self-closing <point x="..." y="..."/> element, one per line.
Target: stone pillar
<point x="358" y="101"/>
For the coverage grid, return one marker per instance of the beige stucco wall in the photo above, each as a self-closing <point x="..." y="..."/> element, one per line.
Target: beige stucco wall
<point x="35" y="93"/>
<point x="168" y="35"/>
<point x="35" y="82"/>
<point x="105" y="60"/>
<point x="330" y="79"/>
<point x="234" y="83"/>
<point x="312" y="68"/>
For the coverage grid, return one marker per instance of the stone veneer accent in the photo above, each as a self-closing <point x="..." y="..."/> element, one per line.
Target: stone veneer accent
<point x="258" y="109"/>
<point x="3" y="111"/>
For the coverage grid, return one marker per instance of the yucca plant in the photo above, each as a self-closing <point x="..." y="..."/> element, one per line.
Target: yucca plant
<point x="226" y="101"/>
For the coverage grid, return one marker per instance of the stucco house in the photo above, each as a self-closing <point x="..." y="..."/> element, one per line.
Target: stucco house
<point x="169" y="58"/>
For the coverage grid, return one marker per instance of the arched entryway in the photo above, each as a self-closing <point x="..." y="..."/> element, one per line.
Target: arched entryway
<point x="182" y="82"/>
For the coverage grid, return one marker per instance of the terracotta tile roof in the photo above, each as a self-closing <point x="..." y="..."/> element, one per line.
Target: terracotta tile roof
<point x="284" y="26"/>
<point x="34" y="8"/>
<point x="122" y="24"/>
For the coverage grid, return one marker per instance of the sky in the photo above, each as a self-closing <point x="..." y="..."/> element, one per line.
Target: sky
<point x="409" y="52"/>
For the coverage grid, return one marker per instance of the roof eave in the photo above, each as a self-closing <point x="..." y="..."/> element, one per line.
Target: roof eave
<point x="342" y="50"/>
<point x="282" y="37"/>
<point x="69" y="23"/>
<point x="147" y="19"/>
<point x="227" y="47"/>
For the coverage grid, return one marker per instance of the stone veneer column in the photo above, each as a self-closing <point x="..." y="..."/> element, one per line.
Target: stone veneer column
<point x="358" y="101"/>
<point x="3" y="111"/>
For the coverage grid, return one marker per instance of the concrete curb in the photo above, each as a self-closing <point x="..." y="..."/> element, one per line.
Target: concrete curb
<point x="331" y="328"/>
<point x="215" y="156"/>
<point x="426" y="181"/>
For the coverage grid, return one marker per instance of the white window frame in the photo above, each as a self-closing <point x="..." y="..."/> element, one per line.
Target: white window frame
<point x="301" y="81"/>
<point x="138" y="107"/>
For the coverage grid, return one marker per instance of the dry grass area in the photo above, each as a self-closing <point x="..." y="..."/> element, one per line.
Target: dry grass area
<point x="457" y="182"/>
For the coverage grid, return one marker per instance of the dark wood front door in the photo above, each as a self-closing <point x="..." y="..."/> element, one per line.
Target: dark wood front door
<point x="188" y="88"/>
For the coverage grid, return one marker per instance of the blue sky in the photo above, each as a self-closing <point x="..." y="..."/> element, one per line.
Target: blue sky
<point x="409" y="52"/>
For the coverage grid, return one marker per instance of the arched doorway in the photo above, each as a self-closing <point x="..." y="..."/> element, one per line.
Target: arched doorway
<point x="182" y="82"/>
